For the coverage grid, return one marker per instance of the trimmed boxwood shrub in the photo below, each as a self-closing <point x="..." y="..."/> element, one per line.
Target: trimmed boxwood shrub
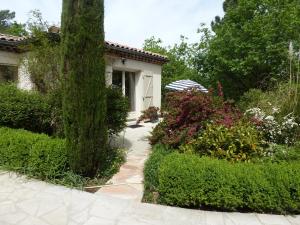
<point x="44" y="157"/>
<point x="187" y="180"/>
<point x="23" y="109"/>
<point x="48" y="158"/>
<point x="37" y="155"/>
<point x="159" y="152"/>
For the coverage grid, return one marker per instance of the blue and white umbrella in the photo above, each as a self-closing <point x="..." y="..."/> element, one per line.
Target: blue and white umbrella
<point x="181" y="85"/>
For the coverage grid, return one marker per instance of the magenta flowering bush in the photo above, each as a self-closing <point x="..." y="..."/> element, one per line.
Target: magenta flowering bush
<point x="187" y="113"/>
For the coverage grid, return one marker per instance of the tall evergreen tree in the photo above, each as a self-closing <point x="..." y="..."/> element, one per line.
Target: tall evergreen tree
<point x="84" y="100"/>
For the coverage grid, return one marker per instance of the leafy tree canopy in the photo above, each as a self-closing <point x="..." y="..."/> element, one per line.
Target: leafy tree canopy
<point x="9" y="26"/>
<point x="250" y="45"/>
<point x="185" y="59"/>
<point x="43" y="60"/>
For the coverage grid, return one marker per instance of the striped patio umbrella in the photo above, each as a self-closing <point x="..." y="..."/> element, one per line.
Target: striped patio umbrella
<point x="181" y="85"/>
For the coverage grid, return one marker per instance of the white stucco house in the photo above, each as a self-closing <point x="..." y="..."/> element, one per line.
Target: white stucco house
<point x="136" y="71"/>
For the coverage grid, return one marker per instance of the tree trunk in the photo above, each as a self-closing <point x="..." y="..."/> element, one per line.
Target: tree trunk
<point x="84" y="97"/>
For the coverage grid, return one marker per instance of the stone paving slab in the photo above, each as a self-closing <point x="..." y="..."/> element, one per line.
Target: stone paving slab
<point x="128" y="182"/>
<point x="31" y="202"/>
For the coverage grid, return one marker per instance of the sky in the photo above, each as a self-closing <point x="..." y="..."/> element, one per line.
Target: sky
<point x="130" y="22"/>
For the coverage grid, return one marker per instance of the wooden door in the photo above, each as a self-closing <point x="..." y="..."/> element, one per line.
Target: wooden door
<point x="148" y="91"/>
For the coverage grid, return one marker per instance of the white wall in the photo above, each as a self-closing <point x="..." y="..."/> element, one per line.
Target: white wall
<point x="140" y="69"/>
<point x="15" y="59"/>
<point x="157" y="89"/>
<point x="9" y="58"/>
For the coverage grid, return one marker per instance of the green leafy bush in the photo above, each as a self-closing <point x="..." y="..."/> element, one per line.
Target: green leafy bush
<point x="158" y="133"/>
<point x="240" y="142"/>
<point x="45" y="158"/>
<point x="252" y="99"/>
<point x="43" y="113"/>
<point x="35" y="154"/>
<point x="279" y="153"/>
<point x="48" y="159"/>
<point x="23" y="109"/>
<point x="281" y="101"/>
<point x="116" y="157"/>
<point x="15" y="147"/>
<point x="117" y="110"/>
<point x="54" y="99"/>
<point x="159" y="152"/>
<point x="187" y="180"/>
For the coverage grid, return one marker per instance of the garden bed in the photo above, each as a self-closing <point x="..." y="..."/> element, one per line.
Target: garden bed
<point x="45" y="158"/>
<point x="209" y="154"/>
<point x="187" y="180"/>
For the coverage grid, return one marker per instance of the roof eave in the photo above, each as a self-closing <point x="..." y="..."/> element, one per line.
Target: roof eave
<point x="140" y="56"/>
<point x="111" y="49"/>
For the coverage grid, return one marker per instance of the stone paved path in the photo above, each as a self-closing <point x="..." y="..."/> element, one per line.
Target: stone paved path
<point x="30" y="202"/>
<point x="128" y="182"/>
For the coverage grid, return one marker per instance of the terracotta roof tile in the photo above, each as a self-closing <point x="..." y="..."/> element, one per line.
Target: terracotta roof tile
<point x="11" y="38"/>
<point x="111" y="46"/>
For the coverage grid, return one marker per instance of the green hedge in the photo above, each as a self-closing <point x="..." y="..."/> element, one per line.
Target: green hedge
<point x="187" y="180"/>
<point x="23" y="109"/>
<point x="159" y="152"/>
<point x="45" y="158"/>
<point x="37" y="155"/>
<point x="43" y="113"/>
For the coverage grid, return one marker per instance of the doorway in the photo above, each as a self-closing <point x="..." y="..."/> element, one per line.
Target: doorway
<point x="126" y="82"/>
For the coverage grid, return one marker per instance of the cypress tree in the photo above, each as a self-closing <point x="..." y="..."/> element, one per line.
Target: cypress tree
<point x="84" y="97"/>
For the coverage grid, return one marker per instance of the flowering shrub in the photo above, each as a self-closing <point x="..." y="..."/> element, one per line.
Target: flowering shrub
<point x="187" y="113"/>
<point x="150" y="114"/>
<point x="240" y="142"/>
<point x="275" y="130"/>
<point x="284" y="99"/>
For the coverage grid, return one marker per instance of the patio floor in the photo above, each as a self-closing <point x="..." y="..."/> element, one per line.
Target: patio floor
<point x="128" y="182"/>
<point x="30" y="202"/>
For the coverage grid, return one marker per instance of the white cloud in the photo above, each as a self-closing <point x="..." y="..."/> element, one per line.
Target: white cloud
<point x="131" y="22"/>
